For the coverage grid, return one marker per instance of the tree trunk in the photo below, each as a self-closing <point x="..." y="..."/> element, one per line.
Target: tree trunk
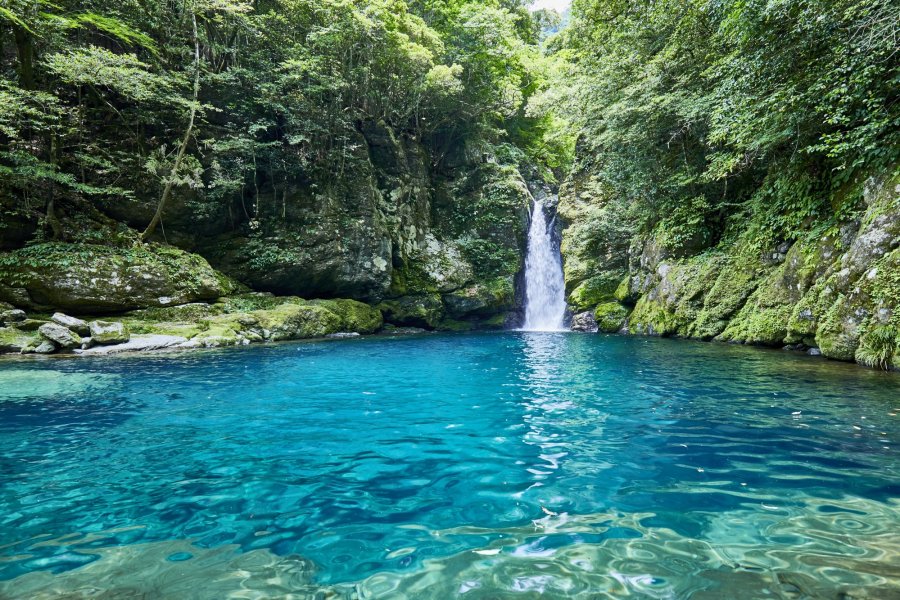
<point x="167" y="191"/>
<point x="25" y="52"/>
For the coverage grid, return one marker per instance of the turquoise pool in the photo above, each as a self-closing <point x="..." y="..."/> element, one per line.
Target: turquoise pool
<point x="514" y="465"/>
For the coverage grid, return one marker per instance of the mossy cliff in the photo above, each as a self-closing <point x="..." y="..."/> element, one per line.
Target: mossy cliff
<point x="432" y="243"/>
<point x="834" y="289"/>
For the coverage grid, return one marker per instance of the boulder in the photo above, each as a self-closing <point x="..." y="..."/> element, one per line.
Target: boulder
<point x="45" y="347"/>
<point x="89" y="278"/>
<point x="59" y="335"/>
<point x="610" y="317"/>
<point x="10" y="316"/>
<point x="297" y="322"/>
<point x="77" y="325"/>
<point x="105" y="333"/>
<point x="584" y="322"/>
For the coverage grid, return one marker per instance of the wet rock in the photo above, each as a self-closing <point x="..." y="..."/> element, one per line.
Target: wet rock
<point x="814" y="352"/>
<point x="77" y="325"/>
<point x="343" y="335"/>
<point x="584" y="322"/>
<point x="59" y="335"/>
<point x="108" y="332"/>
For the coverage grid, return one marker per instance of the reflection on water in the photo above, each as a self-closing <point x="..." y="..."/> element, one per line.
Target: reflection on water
<point x="523" y="465"/>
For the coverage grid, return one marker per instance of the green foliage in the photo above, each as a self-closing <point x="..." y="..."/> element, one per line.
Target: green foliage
<point x="701" y="115"/>
<point x="94" y="97"/>
<point x="879" y="347"/>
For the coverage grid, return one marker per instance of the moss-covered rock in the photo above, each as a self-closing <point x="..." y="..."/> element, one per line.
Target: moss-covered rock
<point x="85" y="278"/>
<point x="108" y="332"/>
<point x="494" y="296"/>
<point x="14" y="340"/>
<point x="595" y="290"/>
<point x="355" y="317"/>
<point x="297" y="322"/>
<point x="424" y="310"/>
<point x="611" y="317"/>
<point x="59" y="335"/>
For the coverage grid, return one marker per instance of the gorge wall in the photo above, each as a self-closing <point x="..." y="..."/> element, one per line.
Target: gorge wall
<point x="834" y="290"/>
<point x="431" y="246"/>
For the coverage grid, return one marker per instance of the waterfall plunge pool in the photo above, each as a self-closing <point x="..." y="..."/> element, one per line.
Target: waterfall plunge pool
<point x="512" y="465"/>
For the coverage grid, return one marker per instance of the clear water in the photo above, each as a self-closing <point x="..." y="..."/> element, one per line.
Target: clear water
<point x="515" y="465"/>
<point x="545" y="288"/>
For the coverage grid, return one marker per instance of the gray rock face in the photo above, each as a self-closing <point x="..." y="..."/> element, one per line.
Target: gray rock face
<point x="104" y="333"/>
<point x="59" y="335"/>
<point x="138" y="343"/>
<point x="77" y="325"/>
<point x="45" y="347"/>
<point x="84" y="279"/>
<point x="12" y="316"/>
<point x="585" y="322"/>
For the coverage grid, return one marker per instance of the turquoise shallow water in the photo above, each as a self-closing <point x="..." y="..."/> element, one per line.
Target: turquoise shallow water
<point x="520" y="465"/>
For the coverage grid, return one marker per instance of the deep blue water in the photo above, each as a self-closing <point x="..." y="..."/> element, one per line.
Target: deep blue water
<point x="478" y="466"/>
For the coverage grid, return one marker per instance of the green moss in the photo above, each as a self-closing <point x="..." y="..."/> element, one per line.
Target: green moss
<point x="595" y="290"/>
<point x="185" y="330"/>
<point x="355" y="316"/>
<point x="651" y="317"/>
<point x="493" y="323"/>
<point x="735" y="280"/>
<point x="255" y="301"/>
<point x="295" y="321"/>
<point x="184" y="312"/>
<point x="755" y="325"/>
<point x="610" y="316"/>
<point x="452" y="325"/>
<point x="14" y="340"/>
<point x="624" y="293"/>
<point x="425" y="310"/>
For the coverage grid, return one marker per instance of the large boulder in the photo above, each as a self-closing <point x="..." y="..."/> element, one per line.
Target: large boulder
<point x="59" y="335"/>
<point x="86" y="278"/>
<point x="105" y="333"/>
<point x="297" y="322"/>
<point x="75" y="324"/>
<point x="584" y="322"/>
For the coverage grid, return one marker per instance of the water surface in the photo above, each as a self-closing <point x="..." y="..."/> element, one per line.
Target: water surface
<point x="518" y="465"/>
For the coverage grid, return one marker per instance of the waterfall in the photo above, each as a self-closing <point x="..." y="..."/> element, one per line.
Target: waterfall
<point x="545" y="294"/>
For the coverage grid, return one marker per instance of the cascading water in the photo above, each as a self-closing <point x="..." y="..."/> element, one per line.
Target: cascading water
<point x="545" y="295"/>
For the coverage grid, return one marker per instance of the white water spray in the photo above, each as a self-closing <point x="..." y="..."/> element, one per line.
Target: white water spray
<point x="545" y="293"/>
